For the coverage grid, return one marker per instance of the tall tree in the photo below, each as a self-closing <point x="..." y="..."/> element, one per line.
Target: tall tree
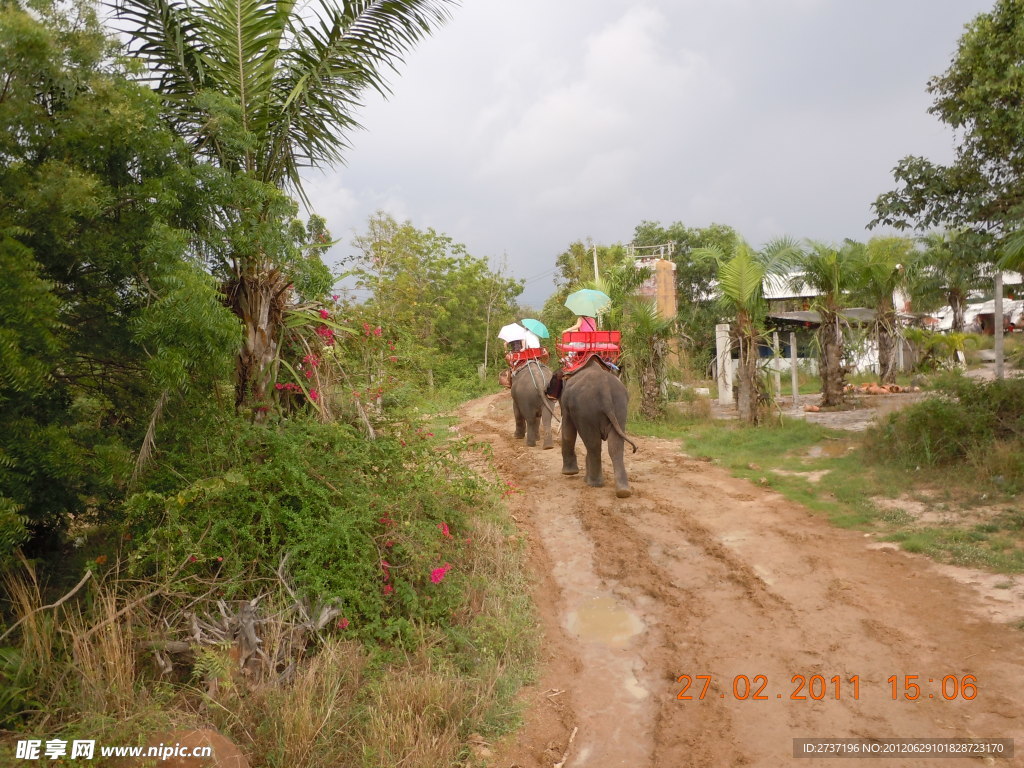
<point x="263" y="88"/>
<point x="981" y="96"/>
<point x="741" y="272"/>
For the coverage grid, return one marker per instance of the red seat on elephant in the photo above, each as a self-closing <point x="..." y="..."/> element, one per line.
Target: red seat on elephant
<point x="577" y="347"/>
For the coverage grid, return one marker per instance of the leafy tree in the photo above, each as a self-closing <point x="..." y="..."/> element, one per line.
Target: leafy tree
<point x="981" y="97"/>
<point x="881" y="267"/>
<point x="430" y="290"/>
<point x="740" y="276"/>
<point x="830" y="271"/>
<point x="101" y="310"/>
<point x="261" y="89"/>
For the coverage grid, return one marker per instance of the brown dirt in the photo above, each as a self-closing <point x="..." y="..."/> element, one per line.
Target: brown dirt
<point x="700" y="573"/>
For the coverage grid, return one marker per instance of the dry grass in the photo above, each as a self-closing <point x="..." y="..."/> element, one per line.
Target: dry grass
<point x="323" y="707"/>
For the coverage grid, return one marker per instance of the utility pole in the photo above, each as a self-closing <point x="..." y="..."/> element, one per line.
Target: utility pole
<point x="596" y="275"/>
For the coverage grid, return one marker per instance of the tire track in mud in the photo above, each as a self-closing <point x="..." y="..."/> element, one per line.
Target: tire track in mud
<point x="704" y="574"/>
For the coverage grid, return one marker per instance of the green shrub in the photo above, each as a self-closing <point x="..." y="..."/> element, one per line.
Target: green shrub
<point x="964" y="422"/>
<point x="364" y="523"/>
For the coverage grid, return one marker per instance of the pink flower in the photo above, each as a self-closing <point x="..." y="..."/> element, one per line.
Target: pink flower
<point x="389" y="544"/>
<point x="309" y="374"/>
<point x="314" y="395"/>
<point x="393" y="359"/>
<point x="437" y="575"/>
<point x="444" y="530"/>
<point x="335" y="297"/>
<point x="343" y="624"/>
<point x="324" y="314"/>
<point x="377" y="331"/>
<point x="388" y="589"/>
<point x="191" y="558"/>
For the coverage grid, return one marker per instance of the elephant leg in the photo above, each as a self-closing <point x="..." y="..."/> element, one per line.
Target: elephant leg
<point x="594" y="476"/>
<point x="531" y="428"/>
<point x="545" y="425"/>
<point x="569" y="465"/>
<point x="616" y="449"/>
<point x="520" y="421"/>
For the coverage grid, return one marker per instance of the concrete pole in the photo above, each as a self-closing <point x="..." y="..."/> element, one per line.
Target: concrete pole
<point x="997" y="318"/>
<point x="775" y="364"/>
<point x="794" y="368"/>
<point x="723" y="348"/>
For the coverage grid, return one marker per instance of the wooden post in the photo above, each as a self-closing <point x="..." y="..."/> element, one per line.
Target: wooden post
<point x="794" y="368"/>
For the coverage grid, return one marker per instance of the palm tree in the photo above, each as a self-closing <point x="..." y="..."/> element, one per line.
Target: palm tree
<point x="261" y="89"/>
<point x="827" y="270"/>
<point x="645" y="335"/>
<point x="741" y="275"/>
<point x="880" y="268"/>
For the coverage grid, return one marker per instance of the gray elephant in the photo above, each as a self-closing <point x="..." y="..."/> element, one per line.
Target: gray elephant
<point x="594" y="406"/>
<point x="531" y="408"/>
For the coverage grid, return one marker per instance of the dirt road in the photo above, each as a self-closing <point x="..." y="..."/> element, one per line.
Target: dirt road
<point x="706" y="575"/>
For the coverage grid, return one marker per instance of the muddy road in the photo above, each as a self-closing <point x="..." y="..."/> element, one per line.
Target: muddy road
<point x="704" y="575"/>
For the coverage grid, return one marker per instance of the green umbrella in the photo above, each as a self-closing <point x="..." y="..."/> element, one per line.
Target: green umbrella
<point x="536" y="326"/>
<point x="588" y="302"/>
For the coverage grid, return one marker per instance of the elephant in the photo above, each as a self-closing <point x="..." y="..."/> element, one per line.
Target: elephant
<point x="594" y="406"/>
<point x="531" y="408"/>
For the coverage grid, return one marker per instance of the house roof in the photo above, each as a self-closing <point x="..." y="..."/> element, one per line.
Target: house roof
<point x="853" y="315"/>
<point x="781" y="287"/>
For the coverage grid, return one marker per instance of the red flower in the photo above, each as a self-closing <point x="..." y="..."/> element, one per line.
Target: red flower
<point x="324" y="314"/>
<point x="388" y="589"/>
<point x="314" y="395"/>
<point x="343" y="624"/>
<point x="377" y="331"/>
<point x="444" y="530"/>
<point x="437" y="575"/>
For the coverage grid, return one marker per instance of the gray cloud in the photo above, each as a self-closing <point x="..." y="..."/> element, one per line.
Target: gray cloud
<point x="526" y="124"/>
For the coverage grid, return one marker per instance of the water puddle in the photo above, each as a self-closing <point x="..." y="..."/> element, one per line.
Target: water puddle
<point x="604" y="620"/>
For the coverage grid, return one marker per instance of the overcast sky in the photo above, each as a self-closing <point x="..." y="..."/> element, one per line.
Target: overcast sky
<point x="524" y="125"/>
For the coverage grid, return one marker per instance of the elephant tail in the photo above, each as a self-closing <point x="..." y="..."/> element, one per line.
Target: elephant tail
<point x="609" y="411"/>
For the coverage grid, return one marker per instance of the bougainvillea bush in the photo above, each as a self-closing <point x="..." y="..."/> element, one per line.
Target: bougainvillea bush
<point x="377" y="527"/>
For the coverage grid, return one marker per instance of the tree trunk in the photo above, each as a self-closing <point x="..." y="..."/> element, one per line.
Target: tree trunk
<point x="258" y="300"/>
<point x="956" y="303"/>
<point x="887" y="341"/>
<point x="746" y="401"/>
<point x="833" y="371"/>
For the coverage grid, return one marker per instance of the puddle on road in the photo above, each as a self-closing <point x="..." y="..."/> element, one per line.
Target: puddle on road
<point x="604" y="620"/>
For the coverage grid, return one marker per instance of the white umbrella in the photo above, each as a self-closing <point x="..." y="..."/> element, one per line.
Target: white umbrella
<point x="512" y="332"/>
